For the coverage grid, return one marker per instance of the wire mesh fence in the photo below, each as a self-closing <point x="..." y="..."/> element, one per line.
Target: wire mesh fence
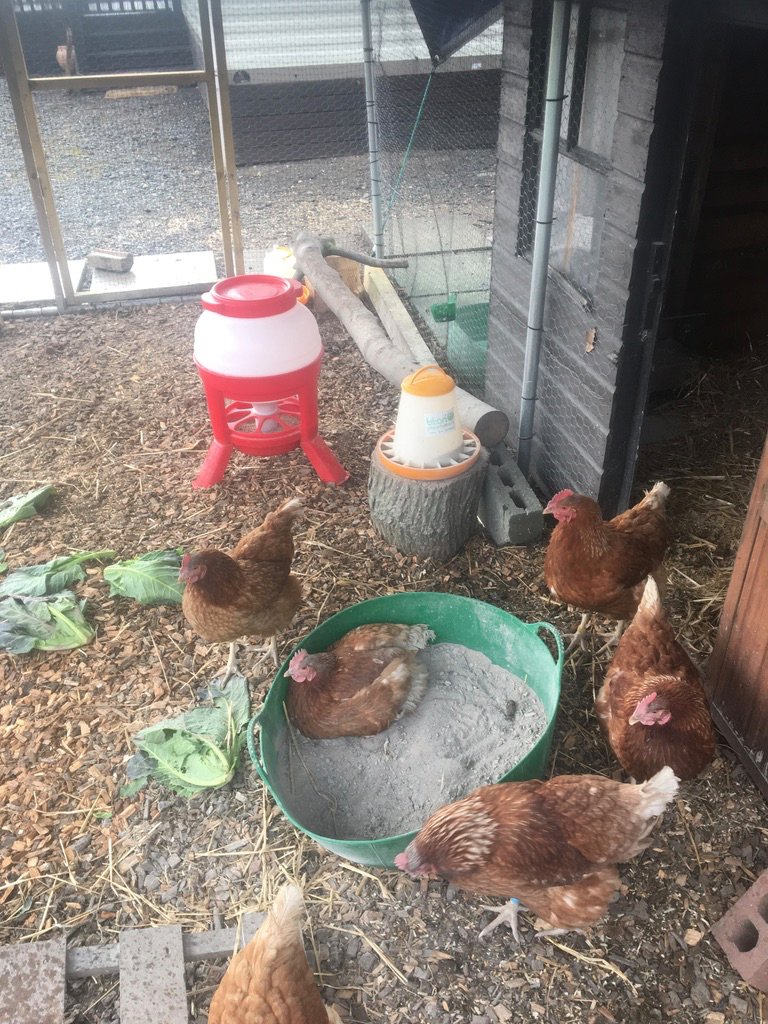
<point x="133" y="169"/>
<point x="437" y="130"/>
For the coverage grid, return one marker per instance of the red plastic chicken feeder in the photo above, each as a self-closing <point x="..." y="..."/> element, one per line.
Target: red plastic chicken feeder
<point x="258" y="352"/>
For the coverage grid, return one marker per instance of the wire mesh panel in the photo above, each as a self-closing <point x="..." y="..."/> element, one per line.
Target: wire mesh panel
<point x="131" y="168"/>
<point x="298" y="120"/>
<point x="437" y="132"/>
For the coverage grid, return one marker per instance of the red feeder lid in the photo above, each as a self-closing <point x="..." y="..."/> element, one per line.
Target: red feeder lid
<point x="252" y="295"/>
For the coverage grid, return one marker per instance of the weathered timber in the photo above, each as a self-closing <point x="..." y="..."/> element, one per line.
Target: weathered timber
<point x="376" y="347"/>
<point x="427" y="518"/>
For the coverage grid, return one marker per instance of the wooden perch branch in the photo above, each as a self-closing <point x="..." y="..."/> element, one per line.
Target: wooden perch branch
<point x="490" y="425"/>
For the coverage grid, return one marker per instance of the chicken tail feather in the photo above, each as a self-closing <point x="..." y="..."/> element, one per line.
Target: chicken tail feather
<point x="418" y="637"/>
<point x="288" y="907"/>
<point x="290" y="509"/>
<point x="655" y="794"/>
<point x="657" y="496"/>
<point x="651" y="599"/>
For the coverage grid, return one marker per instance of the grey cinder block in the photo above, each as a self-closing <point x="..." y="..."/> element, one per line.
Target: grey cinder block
<point x="509" y="510"/>
<point x="108" y="259"/>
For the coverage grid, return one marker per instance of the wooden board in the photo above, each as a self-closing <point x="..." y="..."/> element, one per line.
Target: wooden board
<point x="737" y="676"/>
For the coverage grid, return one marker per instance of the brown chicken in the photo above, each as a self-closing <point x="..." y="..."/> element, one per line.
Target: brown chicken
<point x="249" y="592"/>
<point x="601" y="566"/>
<point x="553" y="845"/>
<point x="269" y="981"/>
<point x="361" y="684"/>
<point x="652" y="706"/>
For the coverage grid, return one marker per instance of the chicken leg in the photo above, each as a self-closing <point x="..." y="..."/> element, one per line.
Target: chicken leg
<point x="231" y="667"/>
<point x="578" y="637"/>
<point x="507" y="915"/>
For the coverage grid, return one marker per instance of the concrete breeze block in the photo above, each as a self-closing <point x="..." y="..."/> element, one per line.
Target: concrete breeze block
<point x="107" y="259"/>
<point x="509" y="510"/>
<point x="743" y="934"/>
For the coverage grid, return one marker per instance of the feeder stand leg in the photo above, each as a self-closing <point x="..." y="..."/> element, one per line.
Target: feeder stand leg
<point x="214" y="466"/>
<point x="323" y="461"/>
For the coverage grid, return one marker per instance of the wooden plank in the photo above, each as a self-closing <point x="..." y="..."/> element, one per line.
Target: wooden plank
<point x="514" y="97"/>
<point x="94" y="961"/>
<point x="647" y="27"/>
<point x="617" y="255"/>
<point x="631" y="137"/>
<point x="736" y="678"/>
<point x="152" y="985"/>
<point x="32" y="982"/>
<point x="746" y="699"/>
<point x="745" y="153"/>
<point x="733" y="230"/>
<point x="639" y="86"/>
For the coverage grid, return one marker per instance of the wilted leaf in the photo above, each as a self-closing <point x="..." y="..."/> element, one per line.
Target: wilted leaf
<point x="50" y="577"/>
<point x="51" y="623"/>
<point x="196" y="750"/>
<point x="24" y="506"/>
<point x="152" y="578"/>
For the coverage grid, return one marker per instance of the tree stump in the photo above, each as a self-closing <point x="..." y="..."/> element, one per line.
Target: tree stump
<point x="428" y="518"/>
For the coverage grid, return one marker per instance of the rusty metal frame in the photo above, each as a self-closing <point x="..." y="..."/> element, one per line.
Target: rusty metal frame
<point x="213" y="76"/>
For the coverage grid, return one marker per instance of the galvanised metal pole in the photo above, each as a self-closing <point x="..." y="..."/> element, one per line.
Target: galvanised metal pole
<point x="545" y="202"/>
<point x="373" y="130"/>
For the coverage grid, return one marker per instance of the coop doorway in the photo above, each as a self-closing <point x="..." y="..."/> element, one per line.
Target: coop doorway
<point x="716" y="302"/>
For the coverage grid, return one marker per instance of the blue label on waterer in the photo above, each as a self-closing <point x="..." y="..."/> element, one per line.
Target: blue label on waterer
<point x="438" y="423"/>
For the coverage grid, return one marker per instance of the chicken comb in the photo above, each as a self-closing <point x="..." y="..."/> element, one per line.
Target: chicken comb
<point x="561" y="496"/>
<point x="294" y="663"/>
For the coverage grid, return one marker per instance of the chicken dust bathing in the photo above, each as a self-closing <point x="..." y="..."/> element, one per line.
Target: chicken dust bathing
<point x="475" y="722"/>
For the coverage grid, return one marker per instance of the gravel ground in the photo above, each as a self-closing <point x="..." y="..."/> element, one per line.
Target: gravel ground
<point x="122" y="445"/>
<point x="137" y="174"/>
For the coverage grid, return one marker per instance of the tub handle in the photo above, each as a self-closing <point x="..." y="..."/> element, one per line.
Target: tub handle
<point x="254" y="753"/>
<point x="536" y="626"/>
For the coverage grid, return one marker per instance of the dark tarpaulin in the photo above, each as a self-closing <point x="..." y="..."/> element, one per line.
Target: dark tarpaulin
<point x="448" y="24"/>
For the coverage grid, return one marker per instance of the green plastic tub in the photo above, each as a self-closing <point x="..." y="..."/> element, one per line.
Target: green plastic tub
<point x="515" y="645"/>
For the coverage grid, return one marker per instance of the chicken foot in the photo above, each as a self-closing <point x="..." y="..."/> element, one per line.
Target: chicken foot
<point x="231" y="667"/>
<point x="578" y="637"/>
<point x="506" y="915"/>
<point x="615" y="636"/>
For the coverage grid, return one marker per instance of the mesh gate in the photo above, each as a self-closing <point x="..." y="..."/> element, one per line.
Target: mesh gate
<point x="133" y="169"/>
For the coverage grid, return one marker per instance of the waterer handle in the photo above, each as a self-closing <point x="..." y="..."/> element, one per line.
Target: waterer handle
<point x="536" y="626"/>
<point x="423" y="369"/>
<point x="254" y="754"/>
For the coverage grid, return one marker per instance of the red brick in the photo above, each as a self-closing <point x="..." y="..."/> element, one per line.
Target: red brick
<point x="743" y="934"/>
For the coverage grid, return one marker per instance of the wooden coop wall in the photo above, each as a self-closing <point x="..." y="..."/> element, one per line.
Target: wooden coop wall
<point x="737" y="677"/>
<point x="577" y="381"/>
